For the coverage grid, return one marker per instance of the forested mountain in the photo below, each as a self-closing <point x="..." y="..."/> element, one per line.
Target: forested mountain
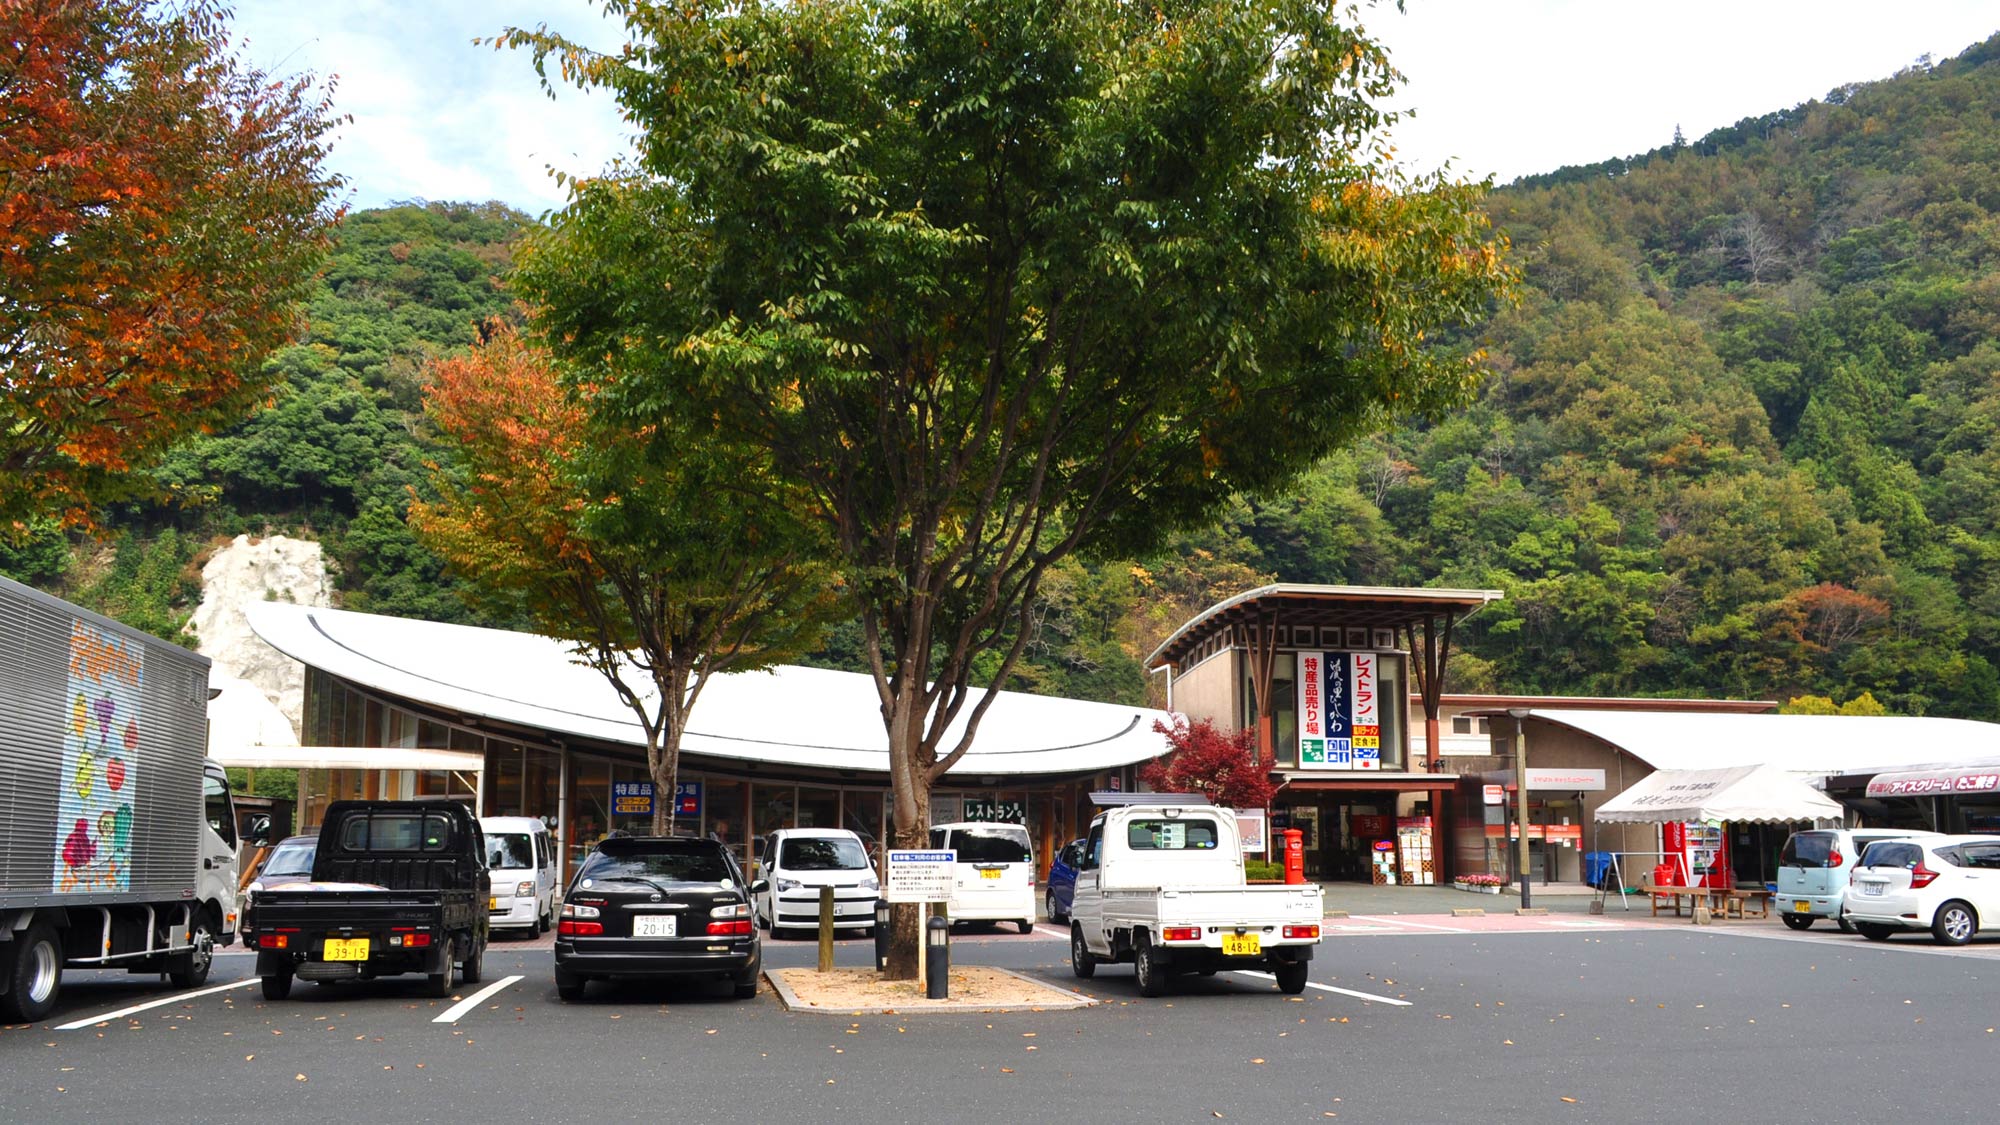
<point x="1740" y="442"/>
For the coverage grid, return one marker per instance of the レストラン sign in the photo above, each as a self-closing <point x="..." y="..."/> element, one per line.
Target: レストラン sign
<point x="1340" y="723"/>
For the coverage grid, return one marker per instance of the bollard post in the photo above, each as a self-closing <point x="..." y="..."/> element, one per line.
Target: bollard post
<point x="937" y="974"/>
<point x="826" y="929"/>
<point x="881" y="935"/>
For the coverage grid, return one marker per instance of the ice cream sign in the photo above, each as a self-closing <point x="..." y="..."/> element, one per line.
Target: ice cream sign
<point x="1339" y="721"/>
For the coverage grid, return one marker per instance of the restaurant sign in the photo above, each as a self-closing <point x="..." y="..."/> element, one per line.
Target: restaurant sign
<point x="1338" y="708"/>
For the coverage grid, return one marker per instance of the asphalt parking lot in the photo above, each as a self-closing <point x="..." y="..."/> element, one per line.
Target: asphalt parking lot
<point x="1622" y="1021"/>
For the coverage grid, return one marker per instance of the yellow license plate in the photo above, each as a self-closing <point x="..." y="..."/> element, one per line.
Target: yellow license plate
<point x="993" y="874"/>
<point x="1802" y="907"/>
<point x="346" y="949"/>
<point x="1241" y="945"/>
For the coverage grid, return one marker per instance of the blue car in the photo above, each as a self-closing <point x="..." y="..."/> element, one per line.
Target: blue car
<point x="1062" y="881"/>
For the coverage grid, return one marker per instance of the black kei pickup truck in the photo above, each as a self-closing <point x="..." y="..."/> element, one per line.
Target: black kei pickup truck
<point x="397" y="887"/>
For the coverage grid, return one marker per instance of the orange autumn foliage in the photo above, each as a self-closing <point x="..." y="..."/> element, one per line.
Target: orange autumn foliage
<point x="161" y="210"/>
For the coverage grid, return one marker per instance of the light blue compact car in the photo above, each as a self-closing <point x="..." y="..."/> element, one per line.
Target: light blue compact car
<point x="1813" y="871"/>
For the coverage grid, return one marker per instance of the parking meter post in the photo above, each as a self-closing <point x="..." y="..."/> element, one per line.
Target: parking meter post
<point x="937" y="975"/>
<point x="826" y="929"/>
<point x="881" y="935"/>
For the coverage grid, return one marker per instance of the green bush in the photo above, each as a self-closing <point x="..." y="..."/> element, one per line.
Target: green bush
<point x="1259" y="869"/>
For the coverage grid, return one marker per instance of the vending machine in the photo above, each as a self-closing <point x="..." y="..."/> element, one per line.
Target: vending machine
<point x="1697" y="855"/>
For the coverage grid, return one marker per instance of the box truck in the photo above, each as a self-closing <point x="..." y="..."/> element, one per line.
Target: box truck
<point x="117" y="837"/>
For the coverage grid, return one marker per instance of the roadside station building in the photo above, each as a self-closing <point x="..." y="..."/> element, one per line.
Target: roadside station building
<point x="1326" y="675"/>
<point x="511" y="723"/>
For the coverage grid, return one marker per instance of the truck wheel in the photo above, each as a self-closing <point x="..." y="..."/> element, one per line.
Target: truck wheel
<point x="469" y="971"/>
<point x="36" y="973"/>
<point x="569" y="986"/>
<point x="438" y="985"/>
<point x="190" y="969"/>
<point x="1151" y="964"/>
<point x="278" y="985"/>
<point x="1082" y="961"/>
<point x="1291" y="977"/>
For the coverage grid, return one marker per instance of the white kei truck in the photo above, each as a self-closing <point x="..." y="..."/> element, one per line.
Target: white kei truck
<point x="117" y="834"/>
<point x="1162" y="886"/>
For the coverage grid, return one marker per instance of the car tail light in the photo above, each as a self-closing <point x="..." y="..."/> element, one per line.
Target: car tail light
<point x="1181" y="933"/>
<point x="1921" y="876"/>
<point x="1302" y="931"/>
<point x="731" y="910"/>
<point x="574" y="928"/>
<point x="410" y="938"/>
<point x="1833" y="856"/>
<point x="273" y="941"/>
<point x="737" y="928"/>
<point x="573" y="910"/>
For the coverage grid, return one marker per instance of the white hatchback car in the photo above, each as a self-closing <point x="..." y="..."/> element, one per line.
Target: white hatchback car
<point x="996" y="872"/>
<point x="1946" y="885"/>
<point x="797" y="862"/>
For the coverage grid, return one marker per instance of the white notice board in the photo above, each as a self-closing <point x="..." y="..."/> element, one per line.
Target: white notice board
<point x="920" y="876"/>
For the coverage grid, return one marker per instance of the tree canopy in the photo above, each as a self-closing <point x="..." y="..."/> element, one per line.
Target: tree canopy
<point x="162" y="209"/>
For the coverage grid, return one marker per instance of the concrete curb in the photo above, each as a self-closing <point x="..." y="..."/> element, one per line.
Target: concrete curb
<point x="1061" y="1000"/>
<point x="1471" y="912"/>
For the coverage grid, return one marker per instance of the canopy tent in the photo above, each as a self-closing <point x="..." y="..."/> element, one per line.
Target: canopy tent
<point x="1739" y="794"/>
<point x="348" y="758"/>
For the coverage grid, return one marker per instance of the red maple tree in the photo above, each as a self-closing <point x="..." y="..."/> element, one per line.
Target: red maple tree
<point x="1220" y="765"/>
<point x="161" y="211"/>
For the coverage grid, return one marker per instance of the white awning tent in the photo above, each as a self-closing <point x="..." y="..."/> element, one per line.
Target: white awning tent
<point x="1740" y="794"/>
<point x="349" y="758"/>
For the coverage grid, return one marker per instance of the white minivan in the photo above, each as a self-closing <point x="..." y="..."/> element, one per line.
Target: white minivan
<point x="795" y="863"/>
<point x="996" y="872"/>
<point x="521" y="859"/>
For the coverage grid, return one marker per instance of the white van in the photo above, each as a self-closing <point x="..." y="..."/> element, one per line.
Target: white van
<point x="996" y="872"/>
<point x="521" y="858"/>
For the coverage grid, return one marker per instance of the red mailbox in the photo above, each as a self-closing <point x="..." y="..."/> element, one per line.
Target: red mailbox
<point x="1295" y="855"/>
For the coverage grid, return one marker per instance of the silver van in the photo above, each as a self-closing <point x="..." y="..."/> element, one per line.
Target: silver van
<point x="1814" y="866"/>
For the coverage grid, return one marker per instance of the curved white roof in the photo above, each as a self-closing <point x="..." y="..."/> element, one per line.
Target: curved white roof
<point x="790" y="716"/>
<point x="1816" y="745"/>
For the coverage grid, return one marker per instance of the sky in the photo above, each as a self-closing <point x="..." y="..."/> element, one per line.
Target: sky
<point x="1500" y="88"/>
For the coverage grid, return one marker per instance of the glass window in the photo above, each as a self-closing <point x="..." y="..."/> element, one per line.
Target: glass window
<point x="689" y="861"/>
<point x="1893" y="853"/>
<point x="295" y="859"/>
<point x="396" y="832"/>
<point x="221" y="816"/>
<point x="1093" y="847"/>
<point x="863" y="812"/>
<point x="512" y="851"/>
<point x="986" y="845"/>
<point x="1171" y="835"/>
<point x="773" y="806"/>
<point x="1806" y="849"/>
<point x="819" y="808"/>
<point x="829" y="853"/>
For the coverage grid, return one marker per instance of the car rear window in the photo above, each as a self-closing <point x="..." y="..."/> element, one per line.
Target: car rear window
<point x="990" y="845"/>
<point x="1892" y="853"/>
<point x="822" y="853"/>
<point x="397" y="832"/>
<point x="291" y="859"/>
<point x="510" y="850"/>
<point x="663" y="862"/>
<point x="1175" y="835"/>
<point x="1808" y="849"/>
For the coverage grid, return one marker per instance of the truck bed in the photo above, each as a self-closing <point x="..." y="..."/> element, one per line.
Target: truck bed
<point x="1213" y="905"/>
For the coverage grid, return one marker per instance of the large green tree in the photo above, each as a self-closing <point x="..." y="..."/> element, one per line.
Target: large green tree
<point x="1002" y="282"/>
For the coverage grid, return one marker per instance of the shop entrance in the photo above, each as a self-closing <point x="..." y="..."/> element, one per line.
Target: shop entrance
<point x="1381" y="837"/>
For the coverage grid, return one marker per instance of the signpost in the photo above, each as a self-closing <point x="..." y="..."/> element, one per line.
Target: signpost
<point x="1495" y="794"/>
<point x="632" y="798"/>
<point x="920" y="877"/>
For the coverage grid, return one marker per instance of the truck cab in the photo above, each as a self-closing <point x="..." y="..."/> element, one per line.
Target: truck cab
<point x="1162" y="887"/>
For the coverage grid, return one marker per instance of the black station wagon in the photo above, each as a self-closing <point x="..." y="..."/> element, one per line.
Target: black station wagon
<point x="661" y="908"/>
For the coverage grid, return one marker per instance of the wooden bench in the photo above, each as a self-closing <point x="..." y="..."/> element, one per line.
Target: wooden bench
<point x="1723" y="902"/>
<point x="1659" y="896"/>
<point x="1746" y="903"/>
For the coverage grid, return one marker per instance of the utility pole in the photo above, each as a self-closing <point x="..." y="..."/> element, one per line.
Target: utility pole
<point x="1520" y="717"/>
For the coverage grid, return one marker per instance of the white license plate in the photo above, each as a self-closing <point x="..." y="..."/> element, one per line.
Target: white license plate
<point x="654" y="925"/>
<point x="852" y="908"/>
<point x="1873" y="888"/>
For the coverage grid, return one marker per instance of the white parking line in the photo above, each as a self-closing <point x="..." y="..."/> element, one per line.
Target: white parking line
<point x="1395" y="921"/>
<point x="1330" y="988"/>
<point x="1063" y="934"/>
<point x="1587" y="925"/>
<point x="88" y="1021"/>
<point x="451" y="1014"/>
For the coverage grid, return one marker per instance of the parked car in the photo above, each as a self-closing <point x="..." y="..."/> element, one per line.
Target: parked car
<point x="521" y="858"/>
<point x="661" y="907"/>
<point x="1944" y="884"/>
<point x="996" y="872"/>
<point x="1061" y="886"/>
<point x="397" y="887"/>
<point x="290" y="862"/>
<point x="1813" y="870"/>
<point x="1162" y="887"/>
<point x="797" y="862"/>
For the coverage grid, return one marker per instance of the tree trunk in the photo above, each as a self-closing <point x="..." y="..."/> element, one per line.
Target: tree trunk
<point x="911" y="792"/>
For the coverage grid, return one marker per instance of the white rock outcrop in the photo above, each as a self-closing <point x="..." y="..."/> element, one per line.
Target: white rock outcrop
<point x="273" y="568"/>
